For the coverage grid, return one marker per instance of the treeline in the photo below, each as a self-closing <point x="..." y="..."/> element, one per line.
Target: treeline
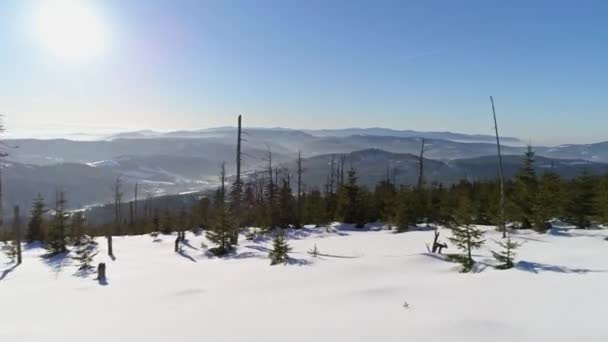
<point x="274" y="198"/>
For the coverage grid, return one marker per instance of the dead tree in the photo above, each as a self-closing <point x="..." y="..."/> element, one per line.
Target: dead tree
<point x="342" y="162"/>
<point x="135" y="201"/>
<point x="238" y="186"/>
<point x="117" y="214"/>
<point x="17" y="230"/>
<point x="1" y="200"/>
<point x="421" y="166"/>
<point x="101" y="272"/>
<point x="299" y="198"/>
<point x="331" y="175"/>
<point x="502" y="223"/>
<point x="438" y="246"/>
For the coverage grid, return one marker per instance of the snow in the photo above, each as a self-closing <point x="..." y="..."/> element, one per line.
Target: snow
<point x="104" y="163"/>
<point x="356" y="291"/>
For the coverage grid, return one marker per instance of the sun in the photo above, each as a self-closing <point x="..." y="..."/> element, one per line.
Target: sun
<point x="70" y="29"/>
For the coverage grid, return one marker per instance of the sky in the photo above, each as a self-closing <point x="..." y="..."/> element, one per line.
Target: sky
<point x="423" y="65"/>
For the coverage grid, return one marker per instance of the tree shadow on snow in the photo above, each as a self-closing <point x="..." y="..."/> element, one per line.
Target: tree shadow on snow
<point x="187" y="244"/>
<point x="298" y="262"/>
<point x="259" y="248"/>
<point x="7" y="271"/>
<point x="338" y="256"/>
<point x="57" y="261"/>
<point x="536" y="267"/>
<point x="186" y="255"/>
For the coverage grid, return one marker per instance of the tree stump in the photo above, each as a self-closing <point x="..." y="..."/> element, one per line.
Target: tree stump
<point x="101" y="272"/>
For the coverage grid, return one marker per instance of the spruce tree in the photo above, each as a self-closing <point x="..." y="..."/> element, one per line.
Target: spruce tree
<point x="602" y="200"/>
<point x="581" y="202"/>
<point x="10" y="250"/>
<point x="406" y="210"/>
<point x="507" y="255"/>
<point x="526" y="185"/>
<point x="350" y="207"/>
<point x="77" y="228"/>
<point x="222" y="226"/>
<point x="85" y="253"/>
<point x="549" y="200"/>
<point x="280" y="250"/>
<point x="465" y="235"/>
<point x="57" y="235"/>
<point x="35" y="227"/>
<point x="286" y="205"/>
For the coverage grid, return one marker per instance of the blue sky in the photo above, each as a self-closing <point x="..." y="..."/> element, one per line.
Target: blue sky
<point x="424" y="65"/>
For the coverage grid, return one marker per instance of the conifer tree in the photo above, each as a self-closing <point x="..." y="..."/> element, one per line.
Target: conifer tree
<point x="350" y="207"/>
<point x="581" y="203"/>
<point x="315" y="210"/>
<point x="10" y="250"/>
<point x="549" y="200"/>
<point x="280" y="249"/>
<point x="507" y="255"/>
<point x="526" y="185"/>
<point x="167" y="222"/>
<point x="85" y="252"/>
<point x="56" y="241"/>
<point x="77" y="228"/>
<point x="602" y="200"/>
<point x="221" y="229"/>
<point x="35" y="231"/>
<point x="286" y="205"/>
<point x="465" y="235"/>
<point x="406" y="210"/>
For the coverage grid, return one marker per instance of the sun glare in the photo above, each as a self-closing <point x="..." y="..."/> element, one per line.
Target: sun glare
<point x="70" y="29"/>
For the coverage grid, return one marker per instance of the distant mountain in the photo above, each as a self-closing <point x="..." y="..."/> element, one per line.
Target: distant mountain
<point x="387" y="132"/>
<point x="372" y="166"/>
<point x="375" y="131"/>
<point x="185" y="161"/>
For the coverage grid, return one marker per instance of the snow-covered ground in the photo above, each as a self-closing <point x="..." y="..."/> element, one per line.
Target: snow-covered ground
<point x="357" y="291"/>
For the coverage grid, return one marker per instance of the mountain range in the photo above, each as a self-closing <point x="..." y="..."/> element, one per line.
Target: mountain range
<point x="188" y="161"/>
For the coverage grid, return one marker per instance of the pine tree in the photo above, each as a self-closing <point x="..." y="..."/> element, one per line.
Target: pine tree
<point x="314" y="252"/>
<point x="465" y="235"/>
<point x="222" y="227"/>
<point x="581" y="203"/>
<point x="280" y="250"/>
<point x="602" y="200"/>
<point x="507" y="255"/>
<point x="56" y="241"/>
<point x="350" y="208"/>
<point x="315" y="209"/>
<point x="526" y="185"/>
<point x="406" y="211"/>
<point x="286" y="205"/>
<point x="549" y="200"/>
<point x="85" y="253"/>
<point x="10" y="250"/>
<point x="167" y="222"/>
<point x="77" y="228"/>
<point x="35" y="231"/>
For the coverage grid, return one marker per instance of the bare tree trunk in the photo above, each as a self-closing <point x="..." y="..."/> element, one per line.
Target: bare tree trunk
<point x="342" y="162"/>
<point x="421" y="166"/>
<point x="135" y="200"/>
<point x="299" y="202"/>
<point x="131" y="215"/>
<point x="331" y="175"/>
<point x="234" y="238"/>
<point x="502" y="223"/>
<point x="117" y="214"/>
<point x="17" y="228"/>
<point x="1" y="200"/>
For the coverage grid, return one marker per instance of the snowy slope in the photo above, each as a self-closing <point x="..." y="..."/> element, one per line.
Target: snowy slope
<point x="356" y="292"/>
